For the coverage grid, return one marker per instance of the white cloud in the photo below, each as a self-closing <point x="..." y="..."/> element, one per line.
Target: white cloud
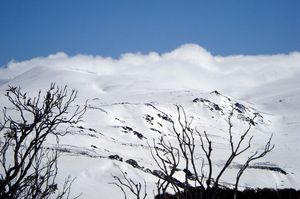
<point x="187" y="67"/>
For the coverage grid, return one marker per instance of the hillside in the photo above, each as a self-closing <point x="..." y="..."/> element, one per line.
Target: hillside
<point x="132" y="99"/>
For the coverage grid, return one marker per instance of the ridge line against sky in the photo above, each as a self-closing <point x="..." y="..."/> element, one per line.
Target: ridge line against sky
<point x="110" y="28"/>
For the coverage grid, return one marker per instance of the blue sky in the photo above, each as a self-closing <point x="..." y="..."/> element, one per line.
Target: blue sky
<point x="34" y="28"/>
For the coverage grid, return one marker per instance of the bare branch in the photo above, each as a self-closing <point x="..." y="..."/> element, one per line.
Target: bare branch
<point x="257" y="155"/>
<point x="134" y="188"/>
<point x="24" y="128"/>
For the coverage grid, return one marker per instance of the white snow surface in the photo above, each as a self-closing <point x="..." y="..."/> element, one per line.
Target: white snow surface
<point x="126" y="92"/>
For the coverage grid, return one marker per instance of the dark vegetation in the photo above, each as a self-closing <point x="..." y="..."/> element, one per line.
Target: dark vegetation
<point x="222" y="193"/>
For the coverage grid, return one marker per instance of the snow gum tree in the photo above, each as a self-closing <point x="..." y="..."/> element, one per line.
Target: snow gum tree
<point x="28" y="168"/>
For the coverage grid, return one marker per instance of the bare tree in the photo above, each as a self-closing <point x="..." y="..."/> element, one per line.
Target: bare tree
<point x="200" y="181"/>
<point x="28" y="169"/>
<point x="256" y="155"/>
<point x="167" y="159"/>
<point x="168" y="156"/>
<point x="185" y="137"/>
<point x="195" y="171"/>
<point x="207" y="151"/>
<point x="235" y="150"/>
<point x="133" y="187"/>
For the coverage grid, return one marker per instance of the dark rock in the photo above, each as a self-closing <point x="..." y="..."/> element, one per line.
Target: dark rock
<point x="195" y="100"/>
<point x="158" y="131"/>
<point x="215" y="92"/>
<point x="276" y="169"/>
<point x="132" y="163"/>
<point x="139" y="135"/>
<point x="127" y="128"/>
<point x="149" y="119"/>
<point x="200" y="100"/>
<point x="165" y="117"/>
<point x="240" y="107"/>
<point x="93" y="130"/>
<point x="217" y="107"/>
<point x="115" y="157"/>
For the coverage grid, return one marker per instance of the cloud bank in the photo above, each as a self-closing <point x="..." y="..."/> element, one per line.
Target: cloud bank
<point x="187" y="67"/>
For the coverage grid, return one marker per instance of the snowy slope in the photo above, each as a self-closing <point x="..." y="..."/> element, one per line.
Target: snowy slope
<point x="131" y="99"/>
<point x="282" y="99"/>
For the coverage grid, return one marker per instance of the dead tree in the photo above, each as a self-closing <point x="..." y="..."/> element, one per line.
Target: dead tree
<point x="185" y="137"/>
<point x="256" y="155"/>
<point x="195" y="171"/>
<point x="28" y="169"/>
<point x="199" y="181"/>
<point x="235" y="150"/>
<point x="167" y="159"/>
<point x="207" y="151"/>
<point x="129" y="184"/>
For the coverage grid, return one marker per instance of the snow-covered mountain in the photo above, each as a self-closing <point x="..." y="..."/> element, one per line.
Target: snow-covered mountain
<point x="132" y="99"/>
